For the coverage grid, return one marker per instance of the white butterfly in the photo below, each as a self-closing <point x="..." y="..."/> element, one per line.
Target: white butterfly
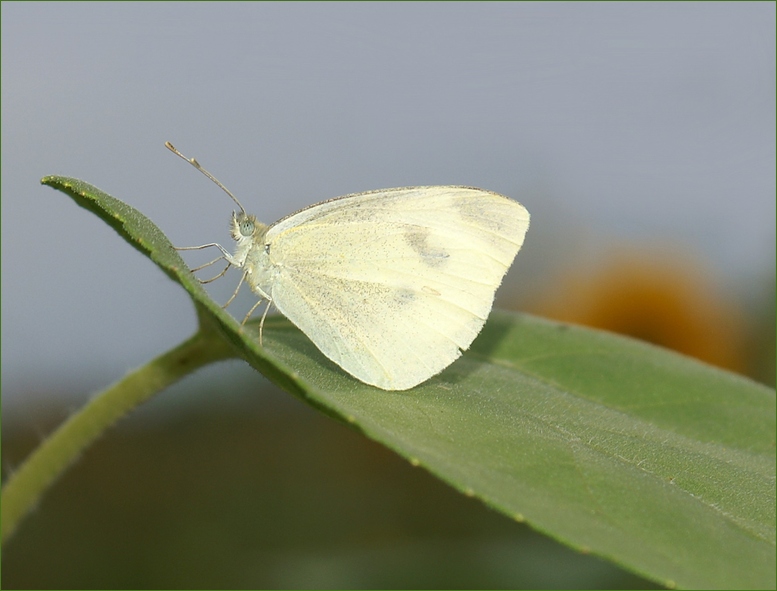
<point x="391" y="285"/>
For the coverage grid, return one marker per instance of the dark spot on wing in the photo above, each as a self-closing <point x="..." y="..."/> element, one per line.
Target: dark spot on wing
<point x="404" y="296"/>
<point x="418" y="239"/>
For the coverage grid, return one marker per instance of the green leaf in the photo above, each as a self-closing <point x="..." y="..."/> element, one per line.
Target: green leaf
<point x="658" y="462"/>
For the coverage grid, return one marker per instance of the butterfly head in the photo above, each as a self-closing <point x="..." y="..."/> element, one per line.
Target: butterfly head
<point x="244" y="226"/>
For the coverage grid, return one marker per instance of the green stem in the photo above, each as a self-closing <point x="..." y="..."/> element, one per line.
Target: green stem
<point x="26" y="486"/>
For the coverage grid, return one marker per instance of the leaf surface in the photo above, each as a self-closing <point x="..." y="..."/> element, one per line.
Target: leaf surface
<point x="656" y="461"/>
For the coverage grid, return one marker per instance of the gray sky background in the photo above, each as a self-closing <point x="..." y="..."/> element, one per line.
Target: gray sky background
<point x="648" y="122"/>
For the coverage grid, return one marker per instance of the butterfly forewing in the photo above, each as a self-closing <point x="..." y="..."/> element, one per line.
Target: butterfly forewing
<point x="392" y="285"/>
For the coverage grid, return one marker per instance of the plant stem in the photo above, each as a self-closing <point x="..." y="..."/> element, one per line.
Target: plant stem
<point x="26" y="486"/>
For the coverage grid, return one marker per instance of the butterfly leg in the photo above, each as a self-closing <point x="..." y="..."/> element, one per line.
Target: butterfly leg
<point x="224" y="257"/>
<point x="261" y="322"/>
<point x="234" y="293"/>
<point x="251" y="311"/>
<point x="212" y="279"/>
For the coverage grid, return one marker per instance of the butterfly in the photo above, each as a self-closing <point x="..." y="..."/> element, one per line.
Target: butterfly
<point x="391" y="285"/>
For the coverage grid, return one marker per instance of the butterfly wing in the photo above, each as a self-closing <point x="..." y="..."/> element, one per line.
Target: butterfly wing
<point x="392" y="285"/>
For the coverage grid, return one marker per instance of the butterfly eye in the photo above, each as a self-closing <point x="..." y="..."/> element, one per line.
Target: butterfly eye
<point x="247" y="227"/>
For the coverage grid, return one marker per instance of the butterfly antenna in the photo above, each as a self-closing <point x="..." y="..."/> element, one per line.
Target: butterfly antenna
<point x="196" y="165"/>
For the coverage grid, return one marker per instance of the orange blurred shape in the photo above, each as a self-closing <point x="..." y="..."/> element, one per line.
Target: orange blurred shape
<point x="663" y="299"/>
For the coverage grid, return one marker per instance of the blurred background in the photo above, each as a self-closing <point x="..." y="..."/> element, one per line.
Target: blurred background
<point x="640" y="136"/>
